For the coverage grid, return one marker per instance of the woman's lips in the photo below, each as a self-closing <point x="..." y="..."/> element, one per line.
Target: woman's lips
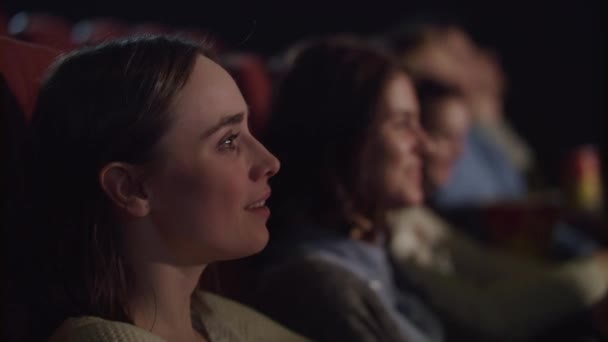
<point x="259" y="206"/>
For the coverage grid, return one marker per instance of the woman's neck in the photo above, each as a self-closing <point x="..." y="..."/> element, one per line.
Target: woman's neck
<point x="162" y="286"/>
<point x="161" y="302"/>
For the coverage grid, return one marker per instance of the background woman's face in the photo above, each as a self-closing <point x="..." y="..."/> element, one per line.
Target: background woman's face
<point x="207" y="197"/>
<point x="391" y="156"/>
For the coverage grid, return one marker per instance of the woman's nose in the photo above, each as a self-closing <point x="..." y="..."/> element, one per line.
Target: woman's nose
<point x="425" y="144"/>
<point x="266" y="164"/>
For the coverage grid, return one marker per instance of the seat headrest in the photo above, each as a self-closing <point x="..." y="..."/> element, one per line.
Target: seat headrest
<point x="23" y="65"/>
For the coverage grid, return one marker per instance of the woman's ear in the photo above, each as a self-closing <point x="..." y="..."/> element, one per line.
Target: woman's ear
<point x="122" y="183"/>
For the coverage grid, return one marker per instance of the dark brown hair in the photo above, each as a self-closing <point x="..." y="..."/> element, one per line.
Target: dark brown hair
<point x="320" y="121"/>
<point x="100" y="104"/>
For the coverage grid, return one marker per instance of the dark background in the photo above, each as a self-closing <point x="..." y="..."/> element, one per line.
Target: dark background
<point x="552" y="50"/>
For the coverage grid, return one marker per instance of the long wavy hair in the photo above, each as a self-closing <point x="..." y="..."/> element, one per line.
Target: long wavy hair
<point x="320" y="121"/>
<point x="100" y="104"/>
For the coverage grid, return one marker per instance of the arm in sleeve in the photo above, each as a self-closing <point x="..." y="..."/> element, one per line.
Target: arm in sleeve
<point x="517" y="307"/>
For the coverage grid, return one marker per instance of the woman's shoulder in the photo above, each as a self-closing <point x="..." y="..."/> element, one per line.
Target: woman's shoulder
<point x="95" y="329"/>
<point x="326" y="301"/>
<point x="331" y="262"/>
<point x="316" y="282"/>
<point x="225" y="320"/>
<point x="228" y="320"/>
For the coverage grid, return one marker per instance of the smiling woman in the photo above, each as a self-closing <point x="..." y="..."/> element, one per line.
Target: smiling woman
<point x="143" y="172"/>
<point x="346" y="127"/>
<point x="201" y="192"/>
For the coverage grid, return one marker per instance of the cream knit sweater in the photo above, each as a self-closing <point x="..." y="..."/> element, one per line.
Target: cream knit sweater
<point x="225" y="321"/>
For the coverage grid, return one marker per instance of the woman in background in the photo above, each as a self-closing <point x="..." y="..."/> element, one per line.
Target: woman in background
<point x="345" y="125"/>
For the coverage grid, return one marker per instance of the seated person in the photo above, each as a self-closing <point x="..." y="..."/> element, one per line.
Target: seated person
<point x="484" y="293"/>
<point x="495" y="160"/>
<point x="345" y="125"/>
<point x="142" y="173"/>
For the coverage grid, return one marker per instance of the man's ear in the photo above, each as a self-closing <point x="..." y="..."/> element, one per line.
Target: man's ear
<point x="122" y="184"/>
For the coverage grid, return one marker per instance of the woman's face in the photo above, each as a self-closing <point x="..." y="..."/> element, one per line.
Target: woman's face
<point x="392" y="152"/>
<point x="207" y="197"/>
<point x="448" y="126"/>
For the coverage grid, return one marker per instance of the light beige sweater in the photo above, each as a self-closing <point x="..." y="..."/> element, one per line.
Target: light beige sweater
<point x="225" y="321"/>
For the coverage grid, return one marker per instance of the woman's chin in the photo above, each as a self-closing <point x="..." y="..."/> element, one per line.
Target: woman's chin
<point x="255" y="244"/>
<point x="416" y="199"/>
<point x="410" y="199"/>
<point x="249" y="246"/>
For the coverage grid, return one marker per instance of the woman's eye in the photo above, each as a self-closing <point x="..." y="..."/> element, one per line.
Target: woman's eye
<point x="404" y="123"/>
<point x="411" y="122"/>
<point x="229" y="142"/>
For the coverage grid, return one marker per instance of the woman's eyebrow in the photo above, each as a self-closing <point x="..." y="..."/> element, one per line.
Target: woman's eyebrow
<point x="226" y="120"/>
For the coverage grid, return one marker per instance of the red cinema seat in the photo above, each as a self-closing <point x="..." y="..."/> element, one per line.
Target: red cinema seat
<point x="22" y="65"/>
<point x="43" y="29"/>
<point x="253" y="79"/>
<point x="94" y="31"/>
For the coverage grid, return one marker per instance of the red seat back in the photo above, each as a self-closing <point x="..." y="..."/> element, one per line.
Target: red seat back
<point x="43" y="29"/>
<point x="252" y="77"/>
<point x="151" y="28"/>
<point x="87" y="32"/>
<point x="3" y="23"/>
<point x="23" y="65"/>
